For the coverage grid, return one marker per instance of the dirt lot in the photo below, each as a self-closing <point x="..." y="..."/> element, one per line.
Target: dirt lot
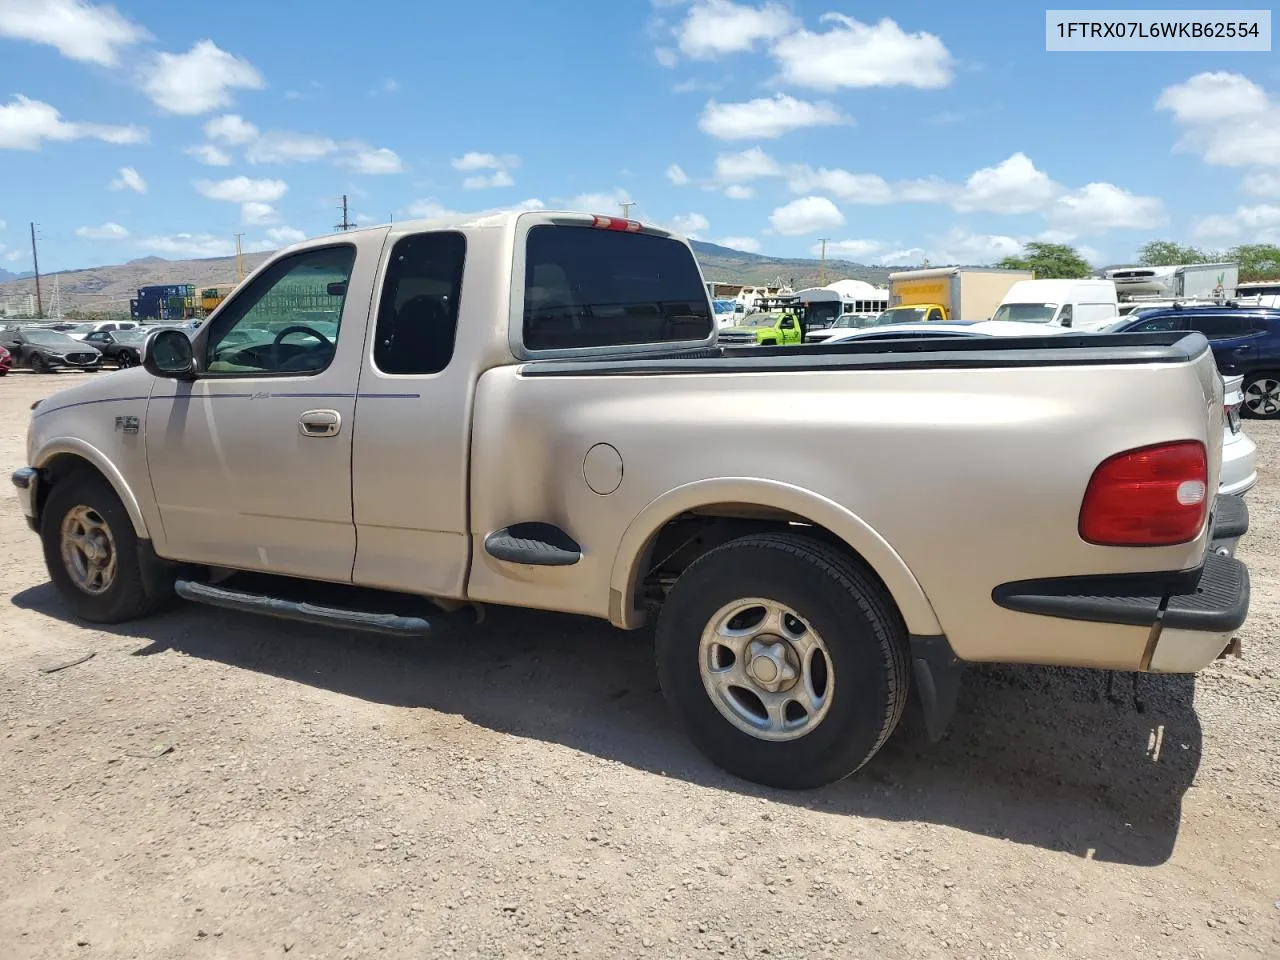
<point x="210" y="785"/>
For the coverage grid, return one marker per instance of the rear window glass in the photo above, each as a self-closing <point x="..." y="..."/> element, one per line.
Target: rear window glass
<point x="586" y="287"/>
<point x="1222" y="327"/>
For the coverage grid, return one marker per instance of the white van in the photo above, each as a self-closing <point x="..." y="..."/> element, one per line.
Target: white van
<point x="1078" y="304"/>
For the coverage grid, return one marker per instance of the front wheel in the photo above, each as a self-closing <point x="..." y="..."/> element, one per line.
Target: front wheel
<point x="784" y="660"/>
<point x="1262" y="396"/>
<point x="39" y="364"/>
<point x="91" y="552"/>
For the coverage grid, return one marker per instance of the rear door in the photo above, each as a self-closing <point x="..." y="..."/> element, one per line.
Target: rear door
<point x="1233" y="338"/>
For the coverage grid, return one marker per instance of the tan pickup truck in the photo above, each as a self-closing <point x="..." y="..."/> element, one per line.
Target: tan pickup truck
<point x="389" y="428"/>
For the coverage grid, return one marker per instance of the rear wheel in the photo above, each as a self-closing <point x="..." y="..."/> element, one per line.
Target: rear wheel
<point x="784" y="660"/>
<point x="92" y="553"/>
<point x="1262" y="396"/>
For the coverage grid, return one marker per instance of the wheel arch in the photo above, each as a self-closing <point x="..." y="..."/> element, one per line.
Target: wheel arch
<point x="786" y="503"/>
<point x="62" y="457"/>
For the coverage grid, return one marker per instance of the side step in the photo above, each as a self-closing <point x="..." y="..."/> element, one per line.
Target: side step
<point x="301" y="611"/>
<point x="534" y="544"/>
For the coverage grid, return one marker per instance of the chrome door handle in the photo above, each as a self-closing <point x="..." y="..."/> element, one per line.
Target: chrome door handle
<point x="320" y="423"/>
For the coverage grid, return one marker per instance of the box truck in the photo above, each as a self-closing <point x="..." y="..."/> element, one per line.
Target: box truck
<point x="948" y="293"/>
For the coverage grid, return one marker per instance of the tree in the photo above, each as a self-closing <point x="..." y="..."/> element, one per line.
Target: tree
<point x="1050" y="261"/>
<point x="1258" y="261"/>
<point x="1167" y="253"/>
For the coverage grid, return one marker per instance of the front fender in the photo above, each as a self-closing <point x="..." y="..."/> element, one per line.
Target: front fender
<point x="917" y="611"/>
<point x="72" y="446"/>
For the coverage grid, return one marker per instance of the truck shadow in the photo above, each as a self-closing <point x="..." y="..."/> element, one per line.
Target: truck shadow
<point x="1037" y="756"/>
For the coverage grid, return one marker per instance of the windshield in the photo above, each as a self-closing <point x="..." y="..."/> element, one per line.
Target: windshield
<point x="723" y="306"/>
<point x="129" y="336"/>
<point x="900" y="315"/>
<point x="82" y="328"/>
<point x="758" y="320"/>
<point x="1026" y="312"/>
<point x="48" y="338"/>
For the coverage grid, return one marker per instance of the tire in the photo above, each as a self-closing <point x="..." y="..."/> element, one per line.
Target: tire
<point x="131" y="593"/>
<point x="768" y="343"/>
<point x="39" y="364"/>
<point x="867" y="677"/>
<point x="1263" y="391"/>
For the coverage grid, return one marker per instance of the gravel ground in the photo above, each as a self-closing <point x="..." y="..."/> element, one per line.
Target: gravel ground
<point x="211" y="785"/>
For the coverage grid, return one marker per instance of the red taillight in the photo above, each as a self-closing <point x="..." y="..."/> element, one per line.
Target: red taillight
<point x="1150" y="497"/>
<point x="616" y="223"/>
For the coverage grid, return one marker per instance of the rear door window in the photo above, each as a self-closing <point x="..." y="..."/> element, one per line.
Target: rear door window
<point x="1222" y="326"/>
<point x="587" y="287"/>
<point x="1160" y="324"/>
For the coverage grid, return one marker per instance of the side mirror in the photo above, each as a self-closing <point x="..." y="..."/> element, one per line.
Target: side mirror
<point x="168" y="353"/>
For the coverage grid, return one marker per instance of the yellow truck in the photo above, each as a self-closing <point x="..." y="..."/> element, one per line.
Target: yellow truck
<point x="948" y="293"/>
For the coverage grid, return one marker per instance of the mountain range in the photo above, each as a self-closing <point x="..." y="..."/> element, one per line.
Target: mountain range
<point x="107" y="289"/>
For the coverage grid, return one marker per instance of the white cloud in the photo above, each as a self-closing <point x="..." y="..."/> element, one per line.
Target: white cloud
<point x="605" y="203"/>
<point x="1262" y="184"/>
<point x="256" y="212"/>
<point x="129" y="179"/>
<point x="748" y="165"/>
<point x="713" y="28"/>
<point x="854" y="187"/>
<point x="676" y="175"/>
<point x="281" y="146"/>
<point x="1212" y="97"/>
<point x="959" y="247"/>
<point x="107" y="231"/>
<point x="1257" y="224"/>
<point x="736" y="191"/>
<point x="1011" y="186"/>
<point x="856" y="54"/>
<point x="242" y="190"/>
<point x="848" y="248"/>
<point x="746" y="244"/>
<point x="1098" y="207"/>
<point x="209" y="155"/>
<point x="189" y="245"/>
<point x="200" y="80"/>
<point x="666" y="56"/>
<point x="373" y="161"/>
<point x="766" y="117"/>
<point x="25" y="124"/>
<point x="232" y="129"/>
<point x="78" y="29"/>
<point x="480" y="181"/>
<point x="432" y="209"/>
<point x="485" y="161"/>
<point x="806" y="215"/>
<point x="285" y="235"/>
<point x="1228" y="119"/>
<point x="690" y="224"/>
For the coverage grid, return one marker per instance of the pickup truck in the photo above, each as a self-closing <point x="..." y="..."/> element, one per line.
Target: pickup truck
<point x="532" y="409"/>
<point x="764" y="330"/>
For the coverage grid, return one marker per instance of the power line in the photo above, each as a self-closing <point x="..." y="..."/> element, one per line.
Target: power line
<point x="346" y="223"/>
<point x="35" y="263"/>
<point x="626" y="208"/>
<point x="822" y="269"/>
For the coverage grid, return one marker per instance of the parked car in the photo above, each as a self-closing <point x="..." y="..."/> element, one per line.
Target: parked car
<point x="568" y="436"/>
<point x="6" y="361"/>
<point x="121" y="347"/>
<point x="47" y="351"/>
<point x="1244" y="339"/>
<point x="946" y="328"/>
<point x="1239" y="453"/>
<point x="81" y="331"/>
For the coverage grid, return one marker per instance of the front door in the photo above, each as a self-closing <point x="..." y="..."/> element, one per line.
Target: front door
<point x="251" y="462"/>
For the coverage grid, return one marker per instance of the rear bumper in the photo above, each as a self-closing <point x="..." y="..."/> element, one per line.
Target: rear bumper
<point x="1192" y="614"/>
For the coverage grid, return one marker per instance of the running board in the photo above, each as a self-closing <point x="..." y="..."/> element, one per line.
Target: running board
<point x="300" y="611"/>
<point x="534" y="544"/>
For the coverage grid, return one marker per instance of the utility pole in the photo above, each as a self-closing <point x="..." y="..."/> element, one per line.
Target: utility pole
<point x="822" y="269"/>
<point x="346" y="223"/>
<point x="35" y="263"/>
<point x="239" y="259"/>
<point x="626" y="208"/>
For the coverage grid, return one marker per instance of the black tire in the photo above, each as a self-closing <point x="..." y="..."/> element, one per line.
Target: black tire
<point x="865" y="638"/>
<point x="1265" y="386"/>
<point x="768" y="343"/>
<point x="132" y="593"/>
<point x="39" y="364"/>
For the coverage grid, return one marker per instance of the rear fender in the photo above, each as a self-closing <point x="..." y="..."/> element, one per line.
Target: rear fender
<point x="906" y="591"/>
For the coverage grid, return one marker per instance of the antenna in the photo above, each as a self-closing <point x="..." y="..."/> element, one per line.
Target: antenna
<point x="35" y="264"/>
<point x="346" y="223"/>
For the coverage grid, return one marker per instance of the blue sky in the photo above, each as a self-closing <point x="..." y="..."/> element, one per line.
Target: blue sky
<point x="899" y="131"/>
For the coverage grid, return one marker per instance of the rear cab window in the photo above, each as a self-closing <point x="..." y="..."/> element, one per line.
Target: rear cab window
<point x="587" y="287"/>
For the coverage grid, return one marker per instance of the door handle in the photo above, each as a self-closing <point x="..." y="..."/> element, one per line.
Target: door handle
<point x="320" y="423"/>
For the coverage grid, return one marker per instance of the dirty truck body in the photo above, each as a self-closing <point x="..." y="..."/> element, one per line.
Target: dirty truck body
<point x="532" y="410"/>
